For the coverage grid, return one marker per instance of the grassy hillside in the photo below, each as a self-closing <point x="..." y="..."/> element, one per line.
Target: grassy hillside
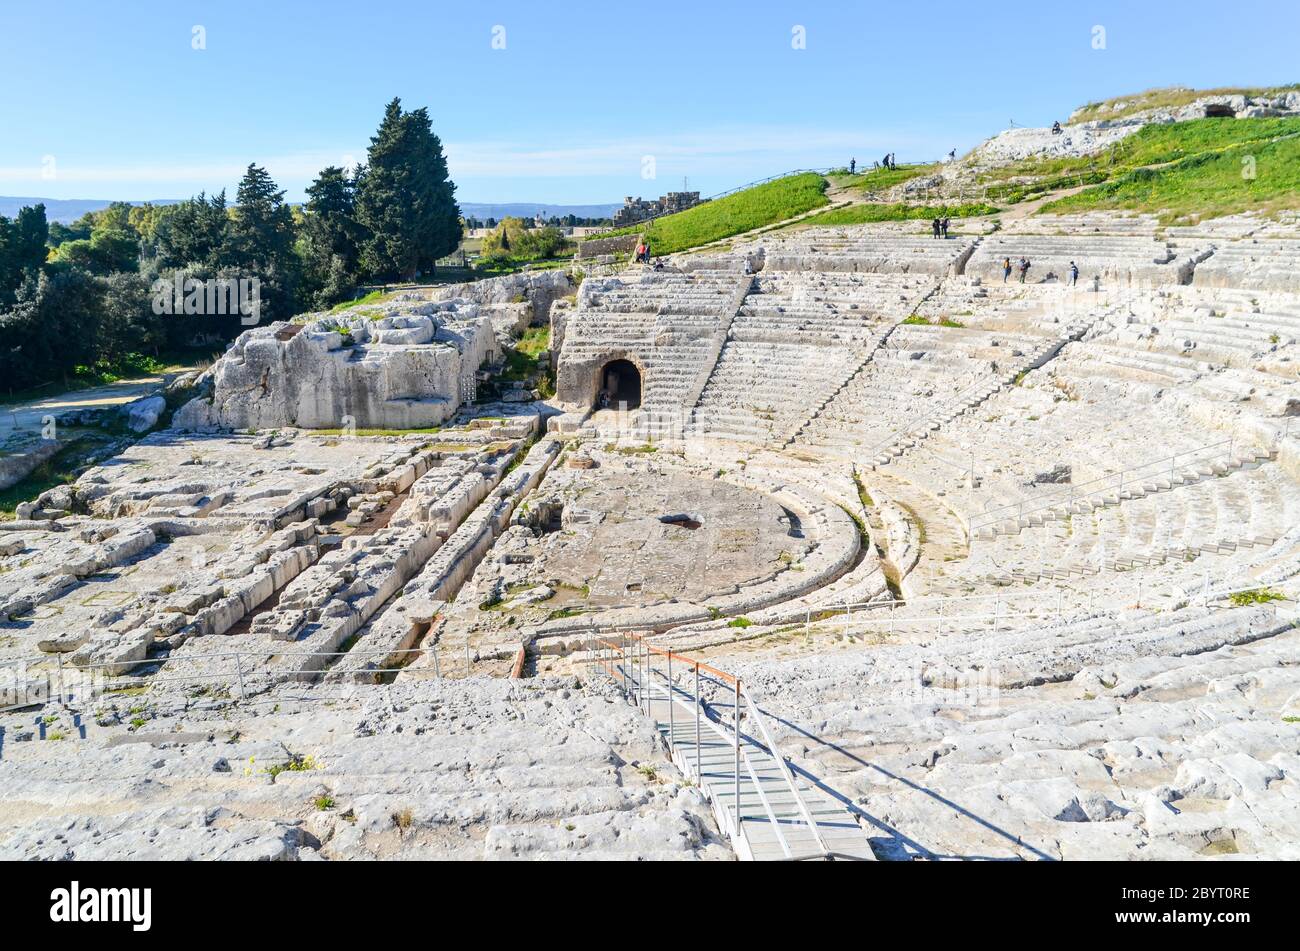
<point x="1205" y="185"/>
<point x="866" y="213"/>
<point x="1169" y="98"/>
<point x="752" y="208"/>
<point x="882" y="179"/>
<point x="1155" y="152"/>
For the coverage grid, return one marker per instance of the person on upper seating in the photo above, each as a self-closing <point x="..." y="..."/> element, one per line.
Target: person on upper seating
<point x="944" y="226"/>
<point x="1074" y="274"/>
<point x="934" y="227"/>
<point x="1006" y="269"/>
<point x="1024" y="269"/>
<point x="647" y="251"/>
<point x="1056" y="128"/>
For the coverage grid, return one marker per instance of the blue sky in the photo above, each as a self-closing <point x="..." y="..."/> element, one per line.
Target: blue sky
<point x="111" y="100"/>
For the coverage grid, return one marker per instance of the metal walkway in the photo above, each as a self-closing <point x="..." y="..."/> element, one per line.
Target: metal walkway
<point x="768" y="812"/>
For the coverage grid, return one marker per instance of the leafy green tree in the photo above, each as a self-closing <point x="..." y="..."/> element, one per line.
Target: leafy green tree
<point x="195" y="231"/>
<point x="22" y="249"/>
<point x="52" y="327"/>
<point x="128" y="324"/>
<point x="405" y="198"/>
<point x="513" y="239"/>
<point x="106" y="251"/>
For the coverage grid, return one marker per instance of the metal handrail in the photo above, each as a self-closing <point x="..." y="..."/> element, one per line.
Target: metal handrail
<point x="638" y="683"/>
<point x="776" y="754"/>
<point x="722" y="194"/>
<point x="739" y="188"/>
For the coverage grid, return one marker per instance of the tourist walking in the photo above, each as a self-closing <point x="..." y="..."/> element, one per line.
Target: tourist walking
<point x="1024" y="269"/>
<point x="1074" y="274"/>
<point x="1006" y="269"/>
<point x="944" y="225"/>
<point x="934" y="227"/>
<point x="640" y="252"/>
<point x="647" y="252"/>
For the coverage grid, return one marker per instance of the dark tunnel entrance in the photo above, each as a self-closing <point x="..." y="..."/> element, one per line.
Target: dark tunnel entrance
<point x="1220" y="110"/>
<point x="620" y="383"/>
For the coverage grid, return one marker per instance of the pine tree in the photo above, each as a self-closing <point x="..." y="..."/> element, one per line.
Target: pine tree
<point x="331" y="237"/>
<point x="262" y="229"/>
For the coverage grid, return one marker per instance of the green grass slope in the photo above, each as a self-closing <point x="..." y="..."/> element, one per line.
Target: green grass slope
<point x="878" y="211"/>
<point x="1152" y="145"/>
<point x="1200" y="169"/>
<point x="875" y="180"/>
<point x="724" y="217"/>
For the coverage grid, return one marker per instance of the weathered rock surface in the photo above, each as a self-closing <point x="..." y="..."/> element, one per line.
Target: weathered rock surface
<point x="482" y="769"/>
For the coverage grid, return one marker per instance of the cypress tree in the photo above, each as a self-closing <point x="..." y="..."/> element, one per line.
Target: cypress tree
<point x="405" y="199"/>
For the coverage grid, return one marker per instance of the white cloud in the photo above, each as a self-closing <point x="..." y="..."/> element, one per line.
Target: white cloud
<point x="706" y="152"/>
<point x="726" y="154"/>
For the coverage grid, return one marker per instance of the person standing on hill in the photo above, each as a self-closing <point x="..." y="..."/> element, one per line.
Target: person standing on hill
<point x="853" y="166"/>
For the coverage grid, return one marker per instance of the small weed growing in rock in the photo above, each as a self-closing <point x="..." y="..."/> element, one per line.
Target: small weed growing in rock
<point x="1241" y="599"/>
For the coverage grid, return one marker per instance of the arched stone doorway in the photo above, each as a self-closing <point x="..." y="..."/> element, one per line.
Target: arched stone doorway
<point x="619" y="383"/>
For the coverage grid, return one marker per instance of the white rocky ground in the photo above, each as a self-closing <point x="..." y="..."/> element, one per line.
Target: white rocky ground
<point x="470" y="769"/>
<point x="1152" y="756"/>
<point x="847" y="415"/>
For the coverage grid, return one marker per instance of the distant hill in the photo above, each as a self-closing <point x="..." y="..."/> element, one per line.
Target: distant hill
<point x="528" y="209"/>
<point x="67" y="210"/>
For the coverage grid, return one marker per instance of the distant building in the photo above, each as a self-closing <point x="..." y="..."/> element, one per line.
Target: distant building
<point x="638" y="209"/>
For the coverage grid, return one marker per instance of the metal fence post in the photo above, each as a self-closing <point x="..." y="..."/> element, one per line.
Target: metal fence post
<point x="648" y="675"/>
<point x="239" y="670"/>
<point x="737" y="771"/>
<point x="699" y="703"/>
<point x="671" y="720"/>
